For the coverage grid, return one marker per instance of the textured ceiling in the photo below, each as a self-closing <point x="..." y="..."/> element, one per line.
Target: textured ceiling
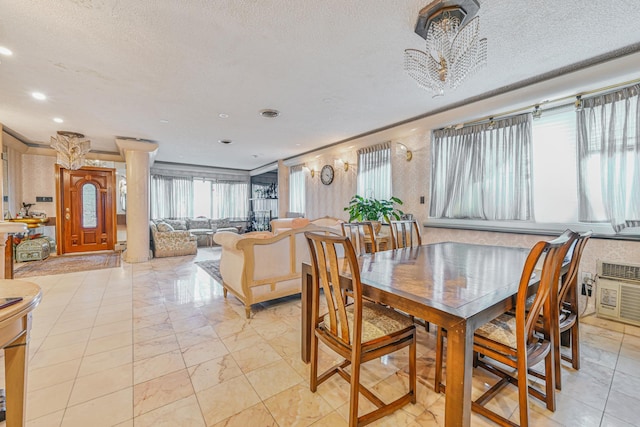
<point x="334" y="68"/>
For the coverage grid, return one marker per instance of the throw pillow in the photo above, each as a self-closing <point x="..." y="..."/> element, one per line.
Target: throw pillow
<point x="177" y="224"/>
<point x="198" y="223"/>
<point x="163" y="226"/>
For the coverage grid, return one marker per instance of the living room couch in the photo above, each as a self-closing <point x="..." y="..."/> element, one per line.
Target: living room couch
<point x="261" y="266"/>
<point x="202" y="228"/>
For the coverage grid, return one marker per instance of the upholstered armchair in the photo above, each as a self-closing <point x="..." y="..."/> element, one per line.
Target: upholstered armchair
<point x="261" y="266"/>
<point x="166" y="243"/>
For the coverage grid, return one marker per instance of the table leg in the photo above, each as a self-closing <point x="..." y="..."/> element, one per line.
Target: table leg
<point x="459" y="373"/>
<point x="305" y="351"/>
<point x="15" y="362"/>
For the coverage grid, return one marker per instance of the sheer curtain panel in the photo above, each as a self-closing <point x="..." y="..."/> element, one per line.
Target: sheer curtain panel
<point x="171" y="196"/>
<point x="230" y="200"/>
<point x="297" y="193"/>
<point x="483" y="171"/>
<point x="609" y="158"/>
<point x="374" y="171"/>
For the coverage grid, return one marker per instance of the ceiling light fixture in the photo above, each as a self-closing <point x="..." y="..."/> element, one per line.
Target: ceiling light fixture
<point x="58" y="120"/>
<point x="164" y="121"/>
<point x="71" y="148"/>
<point x="39" y="96"/>
<point x="269" y="113"/>
<point x="5" y="51"/>
<point x="225" y="141"/>
<point x="537" y="112"/>
<point x="454" y="49"/>
<point x="223" y="115"/>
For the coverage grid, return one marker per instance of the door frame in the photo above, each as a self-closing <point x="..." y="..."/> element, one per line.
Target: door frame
<point x="60" y="205"/>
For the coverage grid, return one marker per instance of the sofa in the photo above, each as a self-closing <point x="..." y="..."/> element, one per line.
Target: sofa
<point x="285" y="224"/>
<point x="201" y="227"/>
<point x="261" y="266"/>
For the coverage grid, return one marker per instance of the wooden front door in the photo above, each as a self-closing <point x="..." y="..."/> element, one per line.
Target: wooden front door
<point x="86" y="210"/>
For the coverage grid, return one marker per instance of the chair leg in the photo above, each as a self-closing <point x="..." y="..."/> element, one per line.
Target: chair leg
<point x="523" y="394"/>
<point x="549" y="371"/>
<point x="439" y="349"/>
<point x="575" y="346"/>
<point x="556" y="364"/>
<point x="224" y="292"/>
<point x="354" y="393"/>
<point x="313" y="379"/>
<point x="247" y="311"/>
<point x="413" y="370"/>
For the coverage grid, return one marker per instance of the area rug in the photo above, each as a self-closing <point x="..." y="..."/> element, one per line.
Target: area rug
<point x="212" y="267"/>
<point x="66" y="264"/>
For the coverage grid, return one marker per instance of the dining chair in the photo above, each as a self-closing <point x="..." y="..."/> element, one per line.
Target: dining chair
<point x="357" y="232"/>
<point x="405" y="234"/>
<point x="522" y="338"/>
<point x="359" y="331"/>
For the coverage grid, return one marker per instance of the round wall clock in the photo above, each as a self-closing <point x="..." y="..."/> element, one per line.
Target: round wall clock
<point x="326" y="174"/>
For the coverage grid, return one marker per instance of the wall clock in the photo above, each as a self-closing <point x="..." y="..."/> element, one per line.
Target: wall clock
<point x="326" y="174"/>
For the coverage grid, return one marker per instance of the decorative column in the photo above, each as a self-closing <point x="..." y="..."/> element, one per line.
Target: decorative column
<point x="139" y="157"/>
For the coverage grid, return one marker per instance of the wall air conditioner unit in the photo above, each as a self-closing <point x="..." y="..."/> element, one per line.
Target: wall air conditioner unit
<point x="618" y="292"/>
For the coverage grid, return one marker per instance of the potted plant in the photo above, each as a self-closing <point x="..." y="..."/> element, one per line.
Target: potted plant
<point x="370" y="209"/>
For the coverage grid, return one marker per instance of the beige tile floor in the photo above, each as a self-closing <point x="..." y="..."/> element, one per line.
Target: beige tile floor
<point x="156" y="344"/>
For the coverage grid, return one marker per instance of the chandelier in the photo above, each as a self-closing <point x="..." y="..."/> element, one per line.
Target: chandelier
<point x="71" y="147"/>
<point x="454" y="49"/>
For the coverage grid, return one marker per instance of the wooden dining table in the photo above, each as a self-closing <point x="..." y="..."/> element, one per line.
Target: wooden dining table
<point x="457" y="286"/>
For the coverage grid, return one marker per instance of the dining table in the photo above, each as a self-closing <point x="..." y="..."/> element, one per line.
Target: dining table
<point x="458" y="286"/>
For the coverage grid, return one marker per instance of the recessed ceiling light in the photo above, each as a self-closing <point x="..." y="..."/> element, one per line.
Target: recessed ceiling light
<point x="164" y="121"/>
<point x="269" y="113"/>
<point x="297" y="145"/>
<point x="223" y="115"/>
<point x="255" y="156"/>
<point x="5" y="51"/>
<point x="58" y="120"/>
<point x="39" y="96"/>
<point x="225" y="141"/>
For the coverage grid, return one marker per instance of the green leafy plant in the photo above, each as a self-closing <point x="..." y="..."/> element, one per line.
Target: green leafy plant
<point x="370" y="209"/>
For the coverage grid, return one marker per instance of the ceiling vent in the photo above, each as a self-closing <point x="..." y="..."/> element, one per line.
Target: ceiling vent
<point x="269" y="113"/>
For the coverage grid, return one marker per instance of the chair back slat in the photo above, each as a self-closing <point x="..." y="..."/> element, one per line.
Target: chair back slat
<point x="405" y="234"/>
<point x="326" y="269"/>
<point x="356" y="232"/>
<point x="571" y="277"/>
<point x="554" y="251"/>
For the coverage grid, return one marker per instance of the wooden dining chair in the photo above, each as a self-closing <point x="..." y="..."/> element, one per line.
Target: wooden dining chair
<point x="359" y="332"/>
<point x="405" y="234"/>
<point x="522" y="338"/>
<point x="357" y="233"/>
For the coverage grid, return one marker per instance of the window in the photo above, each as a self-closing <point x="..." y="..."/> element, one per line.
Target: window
<point x="230" y="200"/>
<point x="89" y="206"/>
<point x="171" y="196"/>
<point x="483" y="171"/>
<point x="374" y="171"/>
<point x="297" y="201"/>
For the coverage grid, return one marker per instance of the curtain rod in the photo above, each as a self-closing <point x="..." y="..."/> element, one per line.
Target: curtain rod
<point x="540" y="104"/>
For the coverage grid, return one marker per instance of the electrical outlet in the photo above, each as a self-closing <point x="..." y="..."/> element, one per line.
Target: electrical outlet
<point x="586" y="277"/>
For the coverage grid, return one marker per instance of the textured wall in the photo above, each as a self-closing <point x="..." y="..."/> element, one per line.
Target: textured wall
<point x="38" y="179"/>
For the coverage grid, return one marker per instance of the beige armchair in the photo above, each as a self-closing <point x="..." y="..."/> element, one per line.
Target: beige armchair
<point x="260" y="266"/>
<point x="285" y="224"/>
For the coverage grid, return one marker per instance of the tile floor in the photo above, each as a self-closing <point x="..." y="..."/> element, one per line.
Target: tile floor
<point x="156" y="344"/>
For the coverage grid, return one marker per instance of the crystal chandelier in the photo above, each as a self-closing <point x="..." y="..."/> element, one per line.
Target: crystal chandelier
<point x="71" y="148"/>
<point x="454" y="49"/>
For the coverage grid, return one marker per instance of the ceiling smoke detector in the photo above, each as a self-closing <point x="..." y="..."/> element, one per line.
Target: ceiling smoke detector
<point x="269" y="113"/>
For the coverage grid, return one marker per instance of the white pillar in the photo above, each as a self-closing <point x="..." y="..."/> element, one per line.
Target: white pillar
<point x="138" y="157"/>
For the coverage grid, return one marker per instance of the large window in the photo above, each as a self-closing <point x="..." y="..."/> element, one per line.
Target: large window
<point x="374" y="171"/>
<point x="584" y="170"/>
<point x="180" y="197"/>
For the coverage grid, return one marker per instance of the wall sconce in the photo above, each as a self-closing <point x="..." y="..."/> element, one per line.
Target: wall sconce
<point x="308" y="169"/>
<point x="408" y="154"/>
<point x="339" y="163"/>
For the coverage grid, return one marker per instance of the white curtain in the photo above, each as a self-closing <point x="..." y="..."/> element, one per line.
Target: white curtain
<point x="171" y="196"/>
<point x="230" y="200"/>
<point x="374" y="171"/>
<point x="609" y="158"/>
<point x="483" y="171"/>
<point x="297" y="193"/>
